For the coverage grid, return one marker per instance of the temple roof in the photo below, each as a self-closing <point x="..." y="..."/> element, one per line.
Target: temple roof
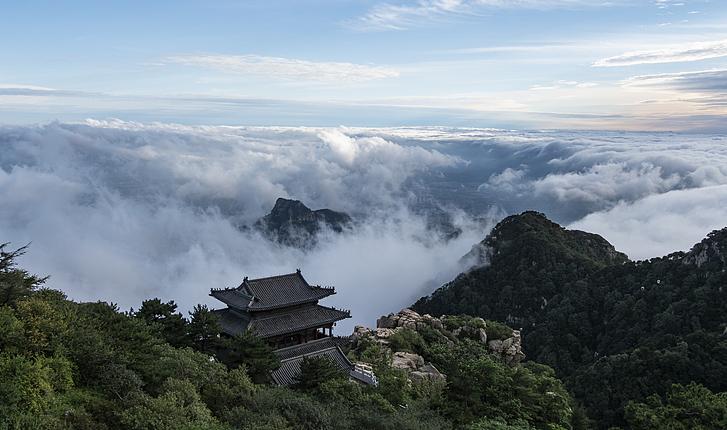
<point x="232" y="323"/>
<point x="292" y="357"/>
<point x="279" y="323"/>
<point x="271" y="293"/>
<point x="299" y="319"/>
<point x="232" y="297"/>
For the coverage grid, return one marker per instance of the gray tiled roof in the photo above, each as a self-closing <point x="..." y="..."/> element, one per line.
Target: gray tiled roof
<point x="273" y="292"/>
<point x="233" y="297"/>
<point x="231" y="322"/>
<point x="309" y="316"/>
<point x="306" y="348"/>
<point x="282" y="290"/>
<point x="289" y="369"/>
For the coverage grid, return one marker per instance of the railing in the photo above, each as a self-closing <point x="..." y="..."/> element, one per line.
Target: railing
<point x="365" y="373"/>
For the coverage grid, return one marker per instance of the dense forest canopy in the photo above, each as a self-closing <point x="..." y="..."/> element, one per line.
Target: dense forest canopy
<point x="614" y="330"/>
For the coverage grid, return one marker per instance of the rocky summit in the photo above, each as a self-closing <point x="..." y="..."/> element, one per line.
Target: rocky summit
<point x="292" y="223"/>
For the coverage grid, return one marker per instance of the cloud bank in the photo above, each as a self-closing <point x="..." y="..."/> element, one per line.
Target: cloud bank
<point x="648" y="193"/>
<point x="125" y="211"/>
<point x="663" y="223"/>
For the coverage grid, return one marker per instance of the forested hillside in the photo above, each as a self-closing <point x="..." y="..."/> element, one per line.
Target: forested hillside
<point x="638" y="345"/>
<point x="70" y="365"/>
<point x="614" y="330"/>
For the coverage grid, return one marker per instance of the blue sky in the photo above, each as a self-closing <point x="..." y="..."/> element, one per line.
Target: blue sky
<point x="636" y="65"/>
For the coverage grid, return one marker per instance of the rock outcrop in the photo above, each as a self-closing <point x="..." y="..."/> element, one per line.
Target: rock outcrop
<point x="711" y="250"/>
<point x="508" y="348"/>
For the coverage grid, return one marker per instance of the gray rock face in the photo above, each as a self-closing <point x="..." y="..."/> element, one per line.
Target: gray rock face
<point x="713" y="249"/>
<point x="406" y="361"/>
<point x="471" y="333"/>
<point x="427" y="373"/>
<point x="509" y="349"/>
<point x="418" y="370"/>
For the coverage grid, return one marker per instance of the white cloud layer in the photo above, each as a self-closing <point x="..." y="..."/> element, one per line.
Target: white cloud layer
<point x="125" y="211"/>
<point x="660" y="224"/>
<point x="695" y="51"/>
<point x="287" y="68"/>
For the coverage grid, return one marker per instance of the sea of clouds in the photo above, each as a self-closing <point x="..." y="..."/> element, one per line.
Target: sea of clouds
<point x="123" y="211"/>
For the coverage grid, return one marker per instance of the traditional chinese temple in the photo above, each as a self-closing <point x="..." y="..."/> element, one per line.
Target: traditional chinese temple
<point x="284" y="311"/>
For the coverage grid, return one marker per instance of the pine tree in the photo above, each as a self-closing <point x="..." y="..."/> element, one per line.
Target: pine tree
<point x="204" y="329"/>
<point x="316" y="370"/>
<point x="15" y="283"/>
<point x="250" y="351"/>
<point x="164" y="317"/>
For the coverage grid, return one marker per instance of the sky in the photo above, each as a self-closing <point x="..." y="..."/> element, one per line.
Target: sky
<point x="526" y="64"/>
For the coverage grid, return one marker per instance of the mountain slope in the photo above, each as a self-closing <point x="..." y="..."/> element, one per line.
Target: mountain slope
<point x="615" y="330"/>
<point x="521" y="265"/>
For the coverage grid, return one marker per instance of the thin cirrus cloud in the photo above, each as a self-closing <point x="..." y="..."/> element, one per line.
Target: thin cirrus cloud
<point x="696" y="51"/>
<point x="287" y="68"/>
<point x="403" y="15"/>
<point x="704" y="81"/>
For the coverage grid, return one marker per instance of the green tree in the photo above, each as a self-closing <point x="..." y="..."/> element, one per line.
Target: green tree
<point x="30" y="388"/>
<point x="314" y="371"/>
<point x="15" y="283"/>
<point x="204" y="329"/>
<point x="499" y="424"/>
<point x="178" y="407"/>
<point x="690" y="407"/>
<point x="250" y="351"/>
<point x="170" y="324"/>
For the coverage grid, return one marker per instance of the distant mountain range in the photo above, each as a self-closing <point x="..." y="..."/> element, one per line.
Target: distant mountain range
<point x="615" y="330"/>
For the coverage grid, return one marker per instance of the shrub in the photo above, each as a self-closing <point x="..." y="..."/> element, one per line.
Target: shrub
<point x="497" y="331"/>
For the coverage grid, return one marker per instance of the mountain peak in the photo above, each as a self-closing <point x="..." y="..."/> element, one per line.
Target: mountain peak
<point x="533" y="230"/>
<point x="292" y="223"/>
<point x="289" y="206"/>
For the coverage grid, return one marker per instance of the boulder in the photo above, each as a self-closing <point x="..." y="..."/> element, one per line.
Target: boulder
<point x="417" y="370"/>
<point x="361" y="331"/>
<point x="386" y="322"/>
<point x="427" y="373"/>
<point x="383" y="333"/>
<point x="509" y="349"/>
<point x="407" y="361"/>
